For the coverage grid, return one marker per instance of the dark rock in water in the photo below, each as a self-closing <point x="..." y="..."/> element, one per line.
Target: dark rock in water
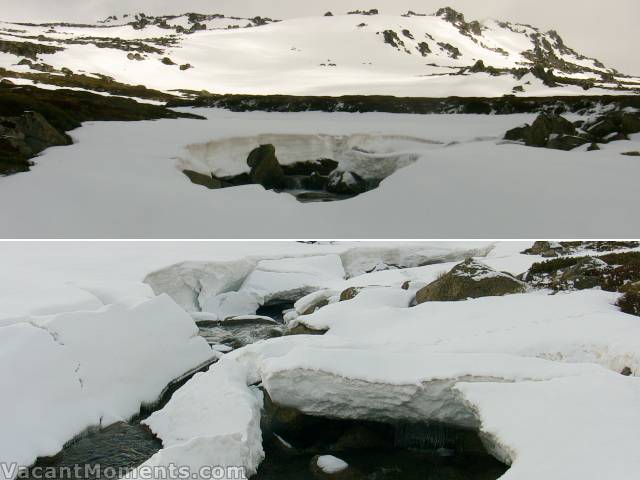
<point x="346" y="183"/>
<point x="265" y="169"/>
<point x="208" y="181"/>
<point x="24" y="137"/>
<point x="323" y="166"/>
<point x="469" y="279"/>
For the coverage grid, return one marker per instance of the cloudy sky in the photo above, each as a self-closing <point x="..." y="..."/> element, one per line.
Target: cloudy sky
<point x="605" y="30"/>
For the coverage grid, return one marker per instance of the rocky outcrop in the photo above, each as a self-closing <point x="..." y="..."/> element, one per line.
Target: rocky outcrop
<point x="265" y="169"/>
<point x="24" y="137"/>
<point x="469" y="279"/>
<point x="554" y="131"/>
<point x="549" y="131"/>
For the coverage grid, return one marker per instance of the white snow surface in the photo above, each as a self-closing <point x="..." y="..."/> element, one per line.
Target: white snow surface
<point x="472" y="185"/>
<point x="71" y="371"/>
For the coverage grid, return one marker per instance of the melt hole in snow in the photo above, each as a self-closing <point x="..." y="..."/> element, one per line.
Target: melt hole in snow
<point x="312" y="168"/>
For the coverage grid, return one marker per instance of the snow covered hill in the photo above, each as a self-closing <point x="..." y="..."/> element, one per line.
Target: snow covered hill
<point x="416" y="55"/>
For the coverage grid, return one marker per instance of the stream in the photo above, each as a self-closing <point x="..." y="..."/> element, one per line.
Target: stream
<point x="126" y="445"/>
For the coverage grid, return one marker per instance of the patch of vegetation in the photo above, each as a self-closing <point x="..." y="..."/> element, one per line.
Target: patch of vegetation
<point x="421" y="105"/>
<point x="553" y="265"/>
<point x="630" y="303"/>
<point x="99" y="83"/>
<point x="27" y="49"/>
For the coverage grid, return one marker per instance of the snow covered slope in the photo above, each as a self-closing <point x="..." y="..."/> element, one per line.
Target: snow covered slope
<point x="418" y="55"/>
<point x="469" y="185"/>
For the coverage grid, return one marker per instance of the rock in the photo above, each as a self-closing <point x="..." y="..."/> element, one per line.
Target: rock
<point x="545" y="249"/>
<point x="469" y="279"/>
<point x="186" y="66"/>
<point x="323" y="166"/>
<point x="208" y="181"/>
<point x="544" y="126"/>
<point x="265" y="169"/>
<point x="565" y="142"/>
<point x="631" y="154"/>
<point x="24" y="137"/>
<point x="549" y="131"/>
<point x="630" y="303"/>
<point x="302" y="329"/>
<point x="593" y="147"/>
<point x="626" y="371"/>
<point x="167" y="61"/>
<point x="587" y="273"/>
<point x="350" y="293"/>
<point x="346" y="183"/>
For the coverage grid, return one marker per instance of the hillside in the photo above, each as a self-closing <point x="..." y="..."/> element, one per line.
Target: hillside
<point x="362" y="53"/>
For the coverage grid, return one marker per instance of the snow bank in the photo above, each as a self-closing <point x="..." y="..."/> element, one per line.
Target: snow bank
<point x="582" y="427"/>
<point x="213" y="420"/>
<point x="392" y="386"/>
<point x="370" y="156"/>
<point x="81" y="369"/>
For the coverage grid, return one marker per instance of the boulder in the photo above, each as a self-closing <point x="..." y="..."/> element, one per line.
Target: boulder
<point x="549" y="131"/>
<point x="323" y="166"/>
<point x="587" y="273"/>
<point x="208" y="181"/>
<point x="469" y="279"/>
<point x="346" y="183"/>
<point x="265" y="169"/>
<point x="350" y="293"/>
<point x="630" y="303"/>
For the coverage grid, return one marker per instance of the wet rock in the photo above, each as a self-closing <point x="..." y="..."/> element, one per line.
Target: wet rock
<point x="323" y="166"/>
<point x="346" y="183"/>
<point x="302" y="329"/>
<point x="469" y="279"/>
<point x="265" y="169"/>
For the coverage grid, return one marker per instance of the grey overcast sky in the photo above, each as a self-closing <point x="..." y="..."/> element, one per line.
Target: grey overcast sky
<point x="607" y="30"/>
